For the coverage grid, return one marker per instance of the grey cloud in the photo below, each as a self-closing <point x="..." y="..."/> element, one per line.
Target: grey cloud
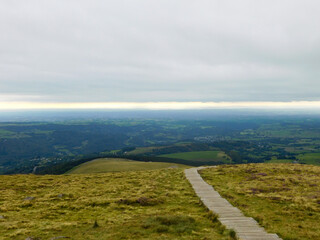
<point x="144" y="50"/>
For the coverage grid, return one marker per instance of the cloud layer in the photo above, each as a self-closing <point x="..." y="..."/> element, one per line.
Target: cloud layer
<point x="147" y="51"/>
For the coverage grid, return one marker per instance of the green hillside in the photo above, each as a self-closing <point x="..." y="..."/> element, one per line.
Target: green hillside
<point x="104" y="165"/>
<point x="280" y="161"/>
<point x="310" y="158"/>
<point x="200" y="156"/>
<point x="155" y="204"/>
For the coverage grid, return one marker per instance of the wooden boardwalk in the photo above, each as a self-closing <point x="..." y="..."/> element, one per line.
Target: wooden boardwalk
<point x="231" y="217"/>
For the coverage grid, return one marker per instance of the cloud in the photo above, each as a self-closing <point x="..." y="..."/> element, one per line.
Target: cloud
<point x="300" y="105"/>
<point x="146" y="51"/>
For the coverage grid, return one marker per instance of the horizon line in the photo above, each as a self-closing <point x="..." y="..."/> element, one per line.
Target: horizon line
<point x="174" y="105"/>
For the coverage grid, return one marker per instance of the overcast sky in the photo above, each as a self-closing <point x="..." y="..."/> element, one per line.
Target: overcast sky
<point x="162" y="50"/>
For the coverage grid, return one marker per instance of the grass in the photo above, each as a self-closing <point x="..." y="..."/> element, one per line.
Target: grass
<point x="200" y="156"/>
<point x="284" y="198"/>
<point x="142" y="150"/>
<point x="310" y="158"/>
<point x="9" y="134"/>
<point x="280" y="161"/>
<point x="6" y="134"/>
<point x="155" y="204"/>
<point x="104" y="165"/>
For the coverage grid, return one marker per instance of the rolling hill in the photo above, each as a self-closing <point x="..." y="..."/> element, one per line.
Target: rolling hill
<point x="119" y="165"/>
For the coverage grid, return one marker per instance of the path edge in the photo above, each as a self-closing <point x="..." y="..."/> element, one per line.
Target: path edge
<point x="232" y="218"/>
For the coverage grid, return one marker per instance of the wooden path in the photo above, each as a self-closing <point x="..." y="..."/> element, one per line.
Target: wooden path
<point x="231" y="217"/>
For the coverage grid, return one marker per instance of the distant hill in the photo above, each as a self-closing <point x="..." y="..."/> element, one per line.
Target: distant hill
<point x="105" y="165"/>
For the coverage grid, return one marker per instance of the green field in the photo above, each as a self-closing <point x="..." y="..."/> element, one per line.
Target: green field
<point x="279" y="161"/>
<point x="104" y="165"/>
<point x="142" y="150"/>
<point x="6" y="134"/>
<point x="9" y="134"/>
<point x="155" y="204"/>
<point x="310" y="158"/>
<point x="200" y="156"/>
<point x="284" y="198"/>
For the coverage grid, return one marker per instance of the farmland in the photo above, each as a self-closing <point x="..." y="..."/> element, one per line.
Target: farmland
<point x="200" y="156"/>
<point x="310" y="158"/>
<point x="222" y="138"/>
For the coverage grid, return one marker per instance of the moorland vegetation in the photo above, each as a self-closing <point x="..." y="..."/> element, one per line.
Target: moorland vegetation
<point x="153" y="204"/>
<point x="283" y="198"/>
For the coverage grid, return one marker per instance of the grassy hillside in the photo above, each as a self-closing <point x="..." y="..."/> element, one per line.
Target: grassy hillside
<point x="142" y="150"/>
<point x="305" y="158"/>
<point x="284" y="198"/>
<point x="117" y="165"/>
<point x="280" y="161"/>
<point x="310" y="158"/>
<point x="155" y="204"/>
<point x="200" y="156"/>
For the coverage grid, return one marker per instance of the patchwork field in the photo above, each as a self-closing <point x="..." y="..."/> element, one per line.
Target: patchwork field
<point x="104" y="165"/>
<point x="310" y="158"/>
<point x="284" y="198"/>
<point x="155" y="204"/>
<point x="280" y="161"/>
<point x="200" y="156"/>
<point x="142" y="150"/>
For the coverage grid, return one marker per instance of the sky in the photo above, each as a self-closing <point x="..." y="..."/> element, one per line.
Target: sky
<point x="57" y="54"/>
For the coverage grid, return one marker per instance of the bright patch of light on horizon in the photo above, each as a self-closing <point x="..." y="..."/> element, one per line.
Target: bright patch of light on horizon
<point x="159" y="105"/>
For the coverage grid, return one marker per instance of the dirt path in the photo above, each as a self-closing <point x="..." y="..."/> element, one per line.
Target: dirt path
<point x="246" y="228"/>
